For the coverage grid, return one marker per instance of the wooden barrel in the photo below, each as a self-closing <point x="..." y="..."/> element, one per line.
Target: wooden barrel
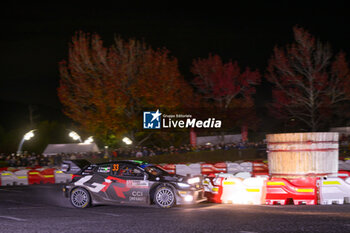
<point x="302" y="154"/>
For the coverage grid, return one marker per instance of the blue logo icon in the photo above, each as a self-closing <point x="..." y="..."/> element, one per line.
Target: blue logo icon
<point x="151" y="120"/>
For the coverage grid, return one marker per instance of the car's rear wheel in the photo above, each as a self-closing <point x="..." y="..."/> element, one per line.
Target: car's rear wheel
<point x="164" y="197"/>
<point x="80" y="198"/>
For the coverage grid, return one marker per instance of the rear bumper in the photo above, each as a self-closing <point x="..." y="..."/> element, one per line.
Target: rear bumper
<point x="190" y="197"/>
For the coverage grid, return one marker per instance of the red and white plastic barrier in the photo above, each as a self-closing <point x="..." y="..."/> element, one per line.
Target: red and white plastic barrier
<point x="38" y="176"/>
<point x="299" y="190"/>
<point x="243" y="191"/>
<point x="61" y="177"/>
<point x="210" y="168"/>
<point x="343" y="174"/>
<point x="171" y="168"/>
<point x="33" y="176"/>
<point x="334" y="190"/>
<point x="260" y="169"/>
<point x="13" y="178"/>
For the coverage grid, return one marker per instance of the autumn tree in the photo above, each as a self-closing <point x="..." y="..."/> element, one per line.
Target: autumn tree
<point x="225" y="85"/>
<point x="105" y="89"/>
<point x="309" y="82"/>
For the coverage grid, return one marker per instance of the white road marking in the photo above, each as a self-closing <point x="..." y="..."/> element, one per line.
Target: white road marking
<point x="13" y="218"/>
<point x="114" y="215"/>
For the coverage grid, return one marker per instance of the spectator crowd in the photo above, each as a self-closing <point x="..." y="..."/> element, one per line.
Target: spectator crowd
<point x="32" y="159"/>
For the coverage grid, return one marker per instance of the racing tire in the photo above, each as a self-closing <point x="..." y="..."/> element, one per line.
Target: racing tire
<point x="80" y="198"/>
<point x="164" y="197"/>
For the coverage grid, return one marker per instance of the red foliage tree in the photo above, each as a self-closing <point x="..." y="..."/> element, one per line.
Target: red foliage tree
<point x="225" y="85"/>
<point x="307" y="83"/>
<point x="105" y="89"/>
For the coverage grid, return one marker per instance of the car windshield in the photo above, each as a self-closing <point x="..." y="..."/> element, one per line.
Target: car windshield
<point x="156" y="171"/>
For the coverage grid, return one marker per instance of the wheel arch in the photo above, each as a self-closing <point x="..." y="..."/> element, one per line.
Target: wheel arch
<point x="82" y="187"/>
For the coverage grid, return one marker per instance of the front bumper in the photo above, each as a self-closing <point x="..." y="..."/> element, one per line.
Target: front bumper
<point x="66" y="190"/>
<point x="190" y="197"/>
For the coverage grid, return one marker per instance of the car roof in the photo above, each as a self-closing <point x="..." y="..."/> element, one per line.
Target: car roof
<point x="134" y="162"/>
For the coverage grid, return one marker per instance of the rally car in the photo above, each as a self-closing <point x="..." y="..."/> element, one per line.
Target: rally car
<point x="129" y="182"/>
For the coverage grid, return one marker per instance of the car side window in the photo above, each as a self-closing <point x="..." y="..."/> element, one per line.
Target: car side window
<point x="104" y="169"/>
<point x="126" y="170"/>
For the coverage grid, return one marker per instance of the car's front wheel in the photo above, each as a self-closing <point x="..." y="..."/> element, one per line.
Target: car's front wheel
<point x="80" y="198"/>
<point x="164" y="197"/>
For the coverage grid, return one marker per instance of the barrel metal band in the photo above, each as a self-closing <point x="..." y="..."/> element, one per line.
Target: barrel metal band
<point x="304" y="142"/>
<point x="304" y="150"/>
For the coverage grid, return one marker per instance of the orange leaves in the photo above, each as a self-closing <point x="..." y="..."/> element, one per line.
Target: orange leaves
<point x="105" y="89"/>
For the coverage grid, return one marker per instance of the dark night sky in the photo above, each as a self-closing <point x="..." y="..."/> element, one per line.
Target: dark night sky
<point x="34" y="38"/>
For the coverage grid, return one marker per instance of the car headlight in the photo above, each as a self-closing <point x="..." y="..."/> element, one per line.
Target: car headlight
<point x="183" y="185"/>
<point x="193" y="180"/>
<point x="188" y="198"/>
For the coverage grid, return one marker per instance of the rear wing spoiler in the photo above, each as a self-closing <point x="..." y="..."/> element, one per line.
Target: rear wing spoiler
<point x="74" y="166"/>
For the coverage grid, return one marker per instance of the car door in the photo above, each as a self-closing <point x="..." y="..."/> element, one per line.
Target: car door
<point x="128" y="184"/>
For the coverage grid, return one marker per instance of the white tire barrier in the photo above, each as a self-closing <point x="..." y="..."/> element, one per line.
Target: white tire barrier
<point x="247" y="166"/>
<point x="233" y="167"/>
<point x="193" y="169"/>
<point x="344" y="165"/>
<point x="243" y="175"/>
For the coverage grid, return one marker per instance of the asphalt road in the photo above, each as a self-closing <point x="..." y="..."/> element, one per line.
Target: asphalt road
<point x="42" y="208"/>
